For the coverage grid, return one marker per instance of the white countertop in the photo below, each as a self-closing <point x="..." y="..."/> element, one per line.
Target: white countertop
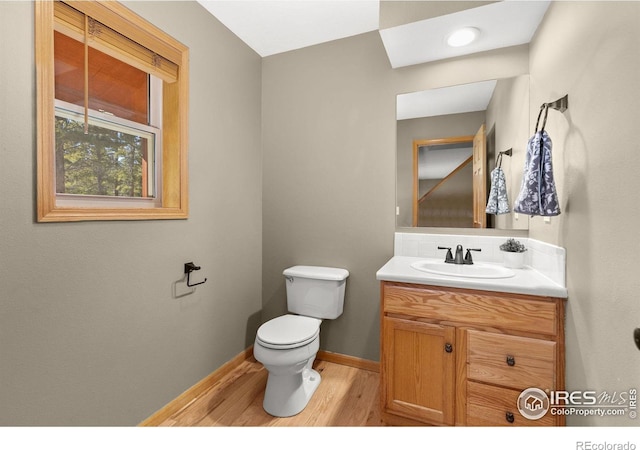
<point x="525" y="281"/>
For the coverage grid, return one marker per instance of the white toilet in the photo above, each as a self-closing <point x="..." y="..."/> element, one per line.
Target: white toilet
<point x="287" y="345"/>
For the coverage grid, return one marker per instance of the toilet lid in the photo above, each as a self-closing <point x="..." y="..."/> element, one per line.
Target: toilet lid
<point x="288" y="331"/>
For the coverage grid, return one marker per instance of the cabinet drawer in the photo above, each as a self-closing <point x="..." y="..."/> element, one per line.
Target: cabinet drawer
<point x="505" y="311"/>
<point x="495" y="406"/>
<point x="511" y="361"/>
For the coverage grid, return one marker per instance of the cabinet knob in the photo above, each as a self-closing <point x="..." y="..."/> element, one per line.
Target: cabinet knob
<point x="448" y="348"/>
<point x="510" y="417"/>
<point x="511" y="361"/>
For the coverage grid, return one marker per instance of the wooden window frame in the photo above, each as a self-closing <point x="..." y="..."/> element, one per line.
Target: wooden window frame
<point x="174" y="172"/>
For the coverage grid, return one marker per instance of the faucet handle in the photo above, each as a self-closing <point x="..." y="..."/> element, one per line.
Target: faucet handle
<point x="449" y="257"/>
<point x="467" y="258"/>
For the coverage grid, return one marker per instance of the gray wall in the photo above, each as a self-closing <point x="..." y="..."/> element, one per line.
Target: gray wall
<point x="508" y="120"/>
<point x="329" y="177"/>
<point x="90" y="332"/>
<point x="398" y="12"/>
<point x="596" y="61"/>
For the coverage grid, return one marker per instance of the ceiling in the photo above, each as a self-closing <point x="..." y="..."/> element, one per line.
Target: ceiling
<point x="271" y="27"/>
<point x="447" y="100"/>
<point x="501" y="24"/>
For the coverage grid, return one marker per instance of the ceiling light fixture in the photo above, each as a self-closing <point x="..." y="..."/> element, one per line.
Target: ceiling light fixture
<point x="463" y="36"/>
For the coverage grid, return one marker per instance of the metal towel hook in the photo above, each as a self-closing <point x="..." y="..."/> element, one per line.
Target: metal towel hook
<point x="499" y="158"/>
<point x="190" y="267"/>
<point x="562" y="104"/>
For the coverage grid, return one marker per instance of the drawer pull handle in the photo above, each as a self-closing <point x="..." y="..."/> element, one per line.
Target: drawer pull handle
<point x="510" y="417"/>
<point x="511" y="361"/>
<point x="448" y="348"/>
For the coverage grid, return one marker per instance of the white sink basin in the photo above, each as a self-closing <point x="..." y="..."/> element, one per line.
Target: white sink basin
<point x="476" y="270"/>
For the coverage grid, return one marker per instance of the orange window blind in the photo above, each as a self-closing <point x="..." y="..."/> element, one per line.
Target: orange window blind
<point x="114" y="86"/>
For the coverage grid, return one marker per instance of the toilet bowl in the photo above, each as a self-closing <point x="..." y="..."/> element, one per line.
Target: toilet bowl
<point x="287" y="345"/>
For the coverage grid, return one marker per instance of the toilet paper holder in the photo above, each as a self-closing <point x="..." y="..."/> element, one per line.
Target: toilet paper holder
<point x="190" y="267"/>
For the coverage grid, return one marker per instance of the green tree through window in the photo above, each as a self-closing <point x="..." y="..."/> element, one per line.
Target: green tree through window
<point x="104" y="162"/>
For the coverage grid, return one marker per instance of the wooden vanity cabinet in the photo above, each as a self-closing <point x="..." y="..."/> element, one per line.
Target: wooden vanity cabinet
<point x="462" y="357"/>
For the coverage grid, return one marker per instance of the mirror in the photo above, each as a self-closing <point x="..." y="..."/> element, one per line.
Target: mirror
<point x="448" y="142"/>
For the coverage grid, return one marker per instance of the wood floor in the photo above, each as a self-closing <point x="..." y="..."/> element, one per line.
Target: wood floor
<point x="346" y="397"/>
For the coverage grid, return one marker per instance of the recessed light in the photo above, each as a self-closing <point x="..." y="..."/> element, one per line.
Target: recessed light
<point x="463" y="36"/>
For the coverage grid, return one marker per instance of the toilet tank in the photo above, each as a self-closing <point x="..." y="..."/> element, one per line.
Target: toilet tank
<point x="315" y="291"/>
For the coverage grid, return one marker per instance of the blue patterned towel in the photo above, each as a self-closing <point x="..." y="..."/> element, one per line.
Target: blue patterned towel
<point x="498" y="202"/>
<point x="538" y="195"/>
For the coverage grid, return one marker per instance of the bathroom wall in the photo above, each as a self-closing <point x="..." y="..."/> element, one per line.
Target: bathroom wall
<point x="589" y="50"/>
<point x="397" y="12"/>
<point x="508" y="121"/>
<point x="329" y="176"/>
<point x="329" y="142"/>
<point x="90" y="331"/>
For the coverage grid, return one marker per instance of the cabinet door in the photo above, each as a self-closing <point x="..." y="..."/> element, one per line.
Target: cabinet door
<point x="418" y="370"/>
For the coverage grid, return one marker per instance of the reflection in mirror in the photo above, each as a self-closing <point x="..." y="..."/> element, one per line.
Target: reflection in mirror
<point x="442" y="182"/>
<point x="447" y="143"/>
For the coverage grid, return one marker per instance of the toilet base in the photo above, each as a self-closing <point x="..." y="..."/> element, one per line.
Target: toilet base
<point x="288" y="394"/>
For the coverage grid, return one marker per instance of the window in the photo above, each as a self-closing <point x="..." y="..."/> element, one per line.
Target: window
<point x="112" y="115"/>
<point x="115" y="158"/>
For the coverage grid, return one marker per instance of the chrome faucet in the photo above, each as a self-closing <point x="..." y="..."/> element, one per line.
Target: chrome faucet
<point x="449" y="257"/>
<point x="467" y="258"/>
<point x="458" y="259"/>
